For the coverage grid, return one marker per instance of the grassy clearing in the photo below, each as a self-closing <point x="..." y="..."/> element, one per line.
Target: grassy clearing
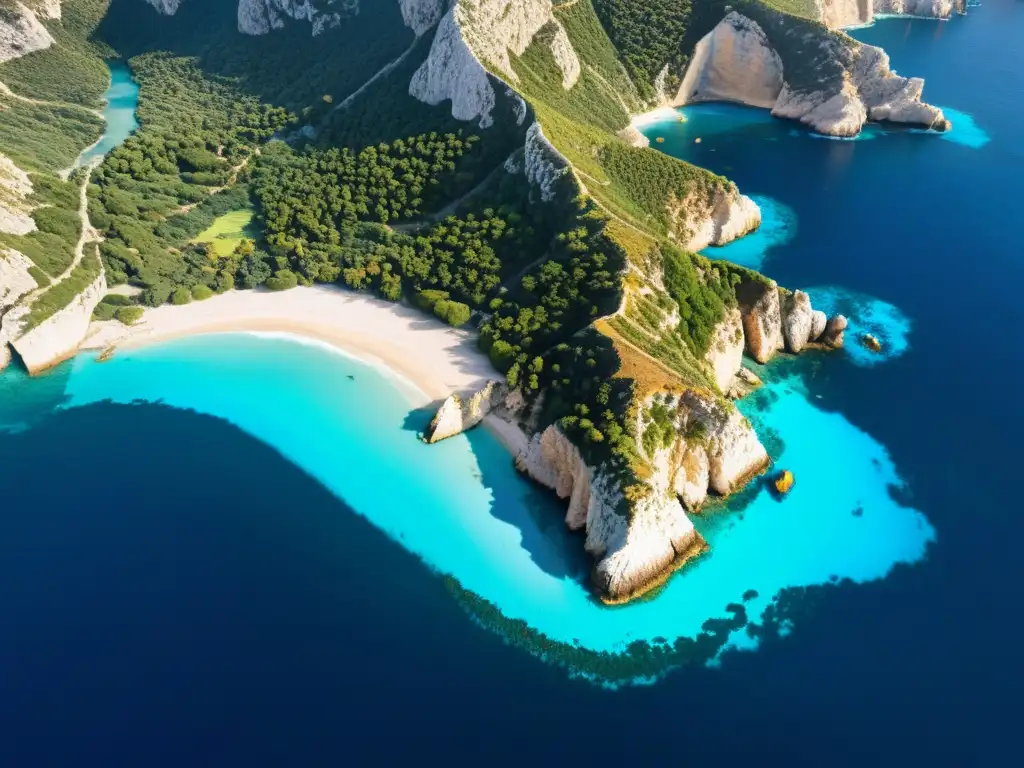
<point x="228" y="230"/>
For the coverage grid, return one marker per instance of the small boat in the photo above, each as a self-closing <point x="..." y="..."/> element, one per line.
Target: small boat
<point x="784" y="482"/>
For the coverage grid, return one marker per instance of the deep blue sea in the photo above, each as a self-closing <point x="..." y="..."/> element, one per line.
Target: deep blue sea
<point x="228" y="551"/>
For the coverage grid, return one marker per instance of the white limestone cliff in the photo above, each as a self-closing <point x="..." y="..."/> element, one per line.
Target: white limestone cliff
<point x="21" y="32"/>
<point x="166" y="7"/>
<point x="837" y="14"/>
<point x="543" y="164"/>
<point x="15" y="189"/>
<point x="725" y="353"/>
<point x="458" y="414"/>
<point x="57" y="338"/>
<point x="15" y="278"/>
<point x="258" y="17"/>
<point x="735" y="62"/>
<point x="475" y="32"/>
<point x="728" y="216"/>
<point x="797" y="322"/>
<point x="422" y="15"/>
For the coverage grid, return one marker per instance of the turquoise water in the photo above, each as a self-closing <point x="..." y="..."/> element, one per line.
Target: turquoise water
<point x="122" y="99"/>
<point x="481" y="523"/>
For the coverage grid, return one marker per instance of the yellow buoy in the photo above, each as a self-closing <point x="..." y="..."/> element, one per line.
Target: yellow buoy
<point x="697" y="140"/>
<point x="784" y="482"/>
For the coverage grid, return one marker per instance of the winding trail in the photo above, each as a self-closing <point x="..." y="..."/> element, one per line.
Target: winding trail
<point x="86" y="236"/>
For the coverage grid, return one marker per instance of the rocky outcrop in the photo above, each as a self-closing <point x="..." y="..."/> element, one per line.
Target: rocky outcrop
<point x="693" y="475"/>
<point x="474" y="32"/>
<point x="835" y="332"/>
<point x="736" y="62"/>
<point x="15" y="278"/>
<point x="725" y="353"/>
<point x="632" y="549"/>
<point x="457" y="414"/>
<point x="734" y="452"/>
<point x="797" y="322"/>
<point x="762" y="319"/>
<point x="422" y="15"/>
<point x="15" y="189"/>
<point x="836" y="14"/>
<point x="21" y="32"/>
<point x="452" y="72"/>
<point x="57" y="338"/>
<point x="543" y="165"/>
<point x="166" y="7"/>
<point x="258" y="17"/>
<point x="728" y="216"/>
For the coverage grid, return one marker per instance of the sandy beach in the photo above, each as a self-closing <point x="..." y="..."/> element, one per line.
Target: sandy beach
<point x="435" y="359"/>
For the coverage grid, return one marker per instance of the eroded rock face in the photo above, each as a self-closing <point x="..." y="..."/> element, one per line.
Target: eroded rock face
<point x="730" y="216"/>
<point x="166" y="7"/>
<point x="57" y="338"/>
<point x="734" y="452"/>
<point x="849" y="13"/>
<point x="835" y="332"/>
<point x="15" y="189"/>
<point x="725" y="353"/>
<point x="422" y="15"/>
<point x="15" y="279"/>
<point x="457" y="414"/>
<point x="21" y="32"/>
<point x="475" y="31"/>
<point x="543" y="165"/>
<point x="693" y="477"/>
<point x="762" y="320"/>
<point x="798" y="322"/>
<point x="819" y="321"/>
<point x="258" y="17"/>
<point x="452" y="72"/>
<point x="632" y="550"/>
<point x="733" y="62"/>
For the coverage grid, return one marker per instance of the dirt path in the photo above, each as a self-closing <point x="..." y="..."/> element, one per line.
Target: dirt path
<point x="86" y="236"/>
<point x="6" y="91"/>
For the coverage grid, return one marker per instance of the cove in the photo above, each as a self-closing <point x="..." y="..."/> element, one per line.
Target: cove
<point x="462" y="508"/>
<point x="119" y="112"/>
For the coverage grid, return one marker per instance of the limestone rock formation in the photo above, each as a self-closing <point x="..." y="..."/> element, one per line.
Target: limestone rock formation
<point x="57" y="338"/>
<point x="491" y="31"/>
<point x="729" y="216"/>
<point x="735" y="453"/>
<point x="735" y="62"/>
<point x="797" y="322"/>
<point x="258" y="17"/>
<point x="166" y="7"/>
<point x="693" y="476"/>
<point x="631" y="551"/>
<point x="458" y="414"/>
<point x="725" y="353"/>
<point x="422" y="15"/>
<point x="21" y="32"/>
<point x="836" y="14"/>
<point x="543" y="165"/>
<point x="15" y="278"/>
<point x="819" y="321"/>
<point x="834" y="332"/>
<point x="15" y="188"/>
<point x="762" y="319"/>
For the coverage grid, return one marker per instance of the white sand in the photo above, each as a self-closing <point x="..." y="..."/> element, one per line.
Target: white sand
<point x="659" y="115"/>
<point x="437" y="359"/>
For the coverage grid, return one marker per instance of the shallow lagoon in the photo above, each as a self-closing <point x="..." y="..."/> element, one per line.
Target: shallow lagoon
<point x="462" y="508"/>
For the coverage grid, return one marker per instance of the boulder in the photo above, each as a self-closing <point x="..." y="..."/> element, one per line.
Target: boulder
<point x="819" y="320"/>
<point x="833" y="335"/>
<point x="762" y="319"/>
<point x="797" y="322"/>
<point x="458" y="414"/>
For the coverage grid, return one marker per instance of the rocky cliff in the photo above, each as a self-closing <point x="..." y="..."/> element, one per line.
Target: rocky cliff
<point x="850" y="13"/>
<point x="15" y="189"/>
<point x="57" y="338"/>
<point x="458" y="413"/>
<point x="22" y="32"/>
<point x="738" y="61"/>
<point x="728" y="217"/>
<point x="15" y="278"/>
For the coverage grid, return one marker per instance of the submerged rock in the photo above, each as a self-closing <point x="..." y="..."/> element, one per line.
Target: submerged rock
<point x="871" y="342"/>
